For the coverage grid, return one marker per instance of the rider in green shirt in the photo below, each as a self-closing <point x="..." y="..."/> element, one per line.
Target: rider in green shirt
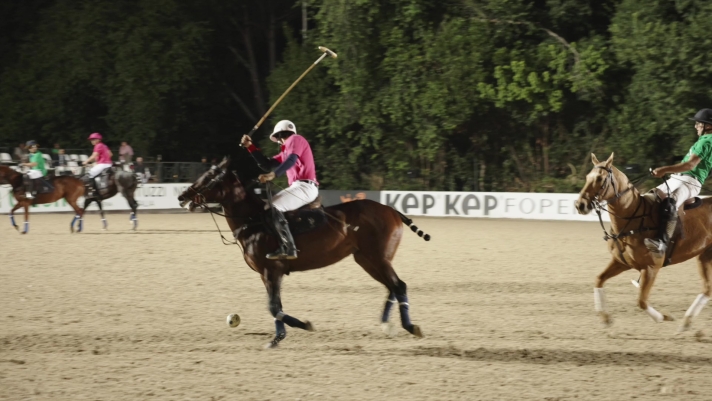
<point x="37" y="169"/>
<point x="690" y="174"/>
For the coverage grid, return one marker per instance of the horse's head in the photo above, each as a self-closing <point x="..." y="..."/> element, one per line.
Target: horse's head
<point x="600" y="185"/>
<point x="216" y="185"/>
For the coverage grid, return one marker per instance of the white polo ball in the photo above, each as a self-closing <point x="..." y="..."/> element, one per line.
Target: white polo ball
<point x="233" y="320"/>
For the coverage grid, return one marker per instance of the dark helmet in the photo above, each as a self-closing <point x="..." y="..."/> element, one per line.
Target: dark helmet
<point x="703" y="116"/>
<point x="31" y="143"/>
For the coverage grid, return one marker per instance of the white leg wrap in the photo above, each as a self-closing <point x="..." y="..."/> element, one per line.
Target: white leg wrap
<point x="697" y="306"/>
<point x="657" y="316"/>
<point x="599" y="299"/>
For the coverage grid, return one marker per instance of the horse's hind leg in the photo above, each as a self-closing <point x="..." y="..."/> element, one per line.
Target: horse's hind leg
<point x="134" y="206"/>
<point x="273" y="283"/>
<point x="104" y="224"/>
<point x="704" y="265"/>
<point x="383" y="272"/>
<point x="613" y="269"/>
<point x="647" y="278"/>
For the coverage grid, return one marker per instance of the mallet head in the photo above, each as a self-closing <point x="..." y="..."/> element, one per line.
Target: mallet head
<point x="327" y="51"/>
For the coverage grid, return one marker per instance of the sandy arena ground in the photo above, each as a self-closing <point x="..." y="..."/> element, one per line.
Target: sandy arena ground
<point x="506" y="308"/>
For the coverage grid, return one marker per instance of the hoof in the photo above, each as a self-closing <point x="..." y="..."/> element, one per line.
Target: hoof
<point x="275" y="342"/>
<point x="389" y="329"/>
<point x="606" y="319"/>
<point x="233" y="320"/>
<point x="309" y="326"/>
<point x="416" y="331"/>
<point x="686" y="324"/>
<point x="668" y="318"/>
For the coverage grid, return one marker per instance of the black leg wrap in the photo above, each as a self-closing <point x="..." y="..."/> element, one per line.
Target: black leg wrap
<point x="387" y="308"/>
<point x="293" y="322"/>
<point x="404" y="312"/>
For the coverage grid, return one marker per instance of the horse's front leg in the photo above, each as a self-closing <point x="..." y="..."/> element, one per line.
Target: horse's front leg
<point x="647" y="278"/>
<point x="273" y="283"/>
<point x="12" y="215"/>
<point x="613" y="269"/>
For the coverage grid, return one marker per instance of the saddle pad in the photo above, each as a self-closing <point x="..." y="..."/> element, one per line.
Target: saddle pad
<point x="44" y="186"/>
<point x="303" y="221"/>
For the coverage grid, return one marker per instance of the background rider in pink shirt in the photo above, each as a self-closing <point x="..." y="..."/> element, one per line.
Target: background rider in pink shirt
<point x="102" y="156"/>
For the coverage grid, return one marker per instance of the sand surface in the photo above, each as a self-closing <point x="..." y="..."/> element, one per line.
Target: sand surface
<point x="506" y="307"/>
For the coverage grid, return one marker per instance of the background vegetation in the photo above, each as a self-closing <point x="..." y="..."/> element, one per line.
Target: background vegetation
<point x="500" y="95"/>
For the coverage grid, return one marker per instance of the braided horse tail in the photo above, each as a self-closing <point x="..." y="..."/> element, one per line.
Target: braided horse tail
<point x="408" y="222"/>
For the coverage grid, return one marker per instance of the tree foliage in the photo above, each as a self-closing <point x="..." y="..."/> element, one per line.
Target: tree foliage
<point x="503" y="95"/>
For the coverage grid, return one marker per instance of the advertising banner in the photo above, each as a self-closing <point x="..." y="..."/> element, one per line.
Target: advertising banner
<point x="149" y="197"/>
<point x="513" y="205"/>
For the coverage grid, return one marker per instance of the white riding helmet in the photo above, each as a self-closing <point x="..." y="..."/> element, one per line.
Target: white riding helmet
<point x="284" y="125"/>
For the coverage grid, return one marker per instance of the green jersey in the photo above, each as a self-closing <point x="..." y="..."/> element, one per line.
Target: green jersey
<point x="37" y="158"/>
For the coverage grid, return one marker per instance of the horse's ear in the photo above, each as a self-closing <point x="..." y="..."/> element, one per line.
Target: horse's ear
<point x="609" y="162"/>
<point x="225" y="163"/>
<point x="594" y="160"/>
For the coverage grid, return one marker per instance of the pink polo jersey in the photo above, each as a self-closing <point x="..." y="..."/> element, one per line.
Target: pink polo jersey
<point x="304" y="169"/>
<point x="102" y="152"/>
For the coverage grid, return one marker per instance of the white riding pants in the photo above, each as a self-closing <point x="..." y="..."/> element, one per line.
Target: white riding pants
<point x="34" y="174"/>
<point x="682" y="188"/>
<point x="297" y="195"/>
<point x="97" y="169"/>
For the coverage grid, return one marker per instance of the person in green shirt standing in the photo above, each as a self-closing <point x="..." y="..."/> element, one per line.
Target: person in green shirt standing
<point x="689" y="175"/>
<point x="37" y="169"/>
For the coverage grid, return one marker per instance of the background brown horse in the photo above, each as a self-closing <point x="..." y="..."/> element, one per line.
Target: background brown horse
<point x="634" y="218"/>
<point x="69" y="188"/>
<point x="119" y="181"/>
<point x="369" y="231"/>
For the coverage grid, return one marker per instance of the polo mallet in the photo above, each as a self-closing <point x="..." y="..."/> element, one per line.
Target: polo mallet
<point x="327" y="52"/>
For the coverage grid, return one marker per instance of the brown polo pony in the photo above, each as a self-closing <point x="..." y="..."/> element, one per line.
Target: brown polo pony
<point x="365" y="229"/>
<point x="69" y="188"/>
<point x="634" y="218"/>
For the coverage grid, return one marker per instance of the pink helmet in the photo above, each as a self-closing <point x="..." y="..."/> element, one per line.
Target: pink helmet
<point x="95" y="135"/>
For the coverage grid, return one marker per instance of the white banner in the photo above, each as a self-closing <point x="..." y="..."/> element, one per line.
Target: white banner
<point x="512" y="205"/>
<point x="149" y="196"/>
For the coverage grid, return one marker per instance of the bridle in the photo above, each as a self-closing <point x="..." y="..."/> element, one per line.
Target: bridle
<point x="201" y="201"/>
<point x="610" y="182"/>
<point x="599" y="205"/>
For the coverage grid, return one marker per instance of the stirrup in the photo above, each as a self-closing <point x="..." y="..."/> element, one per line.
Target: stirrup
<point x="282" y="253"/>
<point x="655" y="246"/>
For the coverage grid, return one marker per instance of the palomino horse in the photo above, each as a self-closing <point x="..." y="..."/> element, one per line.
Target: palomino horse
<point x="634" y="218"/>
<point x="363" y="228"/>
<point x="69" y="188"/>
<point x="118" y="181"/>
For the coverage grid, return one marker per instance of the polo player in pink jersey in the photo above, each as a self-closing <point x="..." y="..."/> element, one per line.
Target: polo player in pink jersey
<point x="295" y="159"/>
<point x="102" y="156"/>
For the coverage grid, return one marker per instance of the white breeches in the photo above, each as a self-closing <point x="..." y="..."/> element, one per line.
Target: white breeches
<point x="34" y="174"/>
<point x="682" y="188"/>
<point x="297" y="195"/>
<point x="97" y="169"/>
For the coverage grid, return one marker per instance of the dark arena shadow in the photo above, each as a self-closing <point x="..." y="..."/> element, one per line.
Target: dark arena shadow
<point x="553" y="356"/>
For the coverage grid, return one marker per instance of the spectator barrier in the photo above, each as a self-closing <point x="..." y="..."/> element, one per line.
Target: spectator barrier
<point x="515" y="205"/>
